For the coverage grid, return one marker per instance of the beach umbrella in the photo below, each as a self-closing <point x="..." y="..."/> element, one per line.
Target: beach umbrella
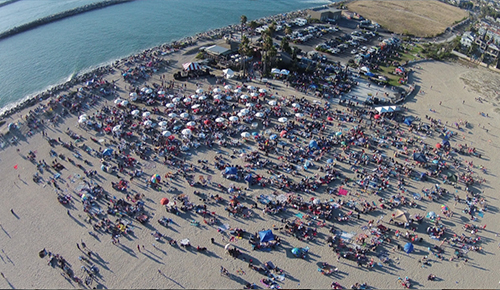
<point x="262" y="91"/>
<point x="187" y="100"/>
<point x="161" y="92"/>
<point x="148" y="123"/>
<point x="273" y="137"/>
<point x="199" y="91"/>
<point x="237" y="91"/>
<point x="254" y="94"/>
<point x="296" y="251"/>
<point x="229" y="73"/>
<point x="217" y="97"/>
<point x="133" y="95"/>
<point x="244" y="111"/>
<point x="135" y="112"/>
<point x="244" y="97"/>
<point x="191" y="123"/>
<point x="117" y="101"/>
<point x="233" y="119"/>
<point x="283" y="120"/>
<point x="195" y="106"/>
<point x="184" y="115"/>
<point x="408" y="248"/>
<point x="229" y="98"/>
<point x="339" y="133"/>
<point x="172" y="115"/>
<point x="283" y="133"/>
<point x="146" y="114"/>
<point x="124" y="103"/>
<point x="187" y="132"/>
<point x="266" y="236"/>
<point x="296" y="105"/>
<point x="164" y="201"/>
<point x="83" y="116"/>
<point x="226" y="247"/>
<point x="156" y="178"/>
<point x="149" y="91"/>
<point x="438" y="145"/>
<point x="284" y="72"/>
<point x="107" y="152"/>
<point x="220" y="120"/>
<point x="329" y="161"/>
<point x="81" y="121"/>
<point x="202" y="135"/>
<point x="207" y="122"/>
<point x="176" y="100"/>
<point x="259" y="114"/>
<point x="299" y="115"/>
<point x="217" y="90"/>
<point x="444" y="207"/>
<point x="250" y="105"/>
<point x="245" y="135"/>
<point x="272" y="103"/>
<point x="275" y="71"/>
<point x="400" y="216"/>
<point x="251" y="88"/>
<point x="117" y="128"/>
<point x="431" y="215"/>
<point x="166" y="133"/>
<point x="201" y="98"/>
<point x="169" y="105"/>
<point x="228" y="87"/>
<point x="184" y="242"/>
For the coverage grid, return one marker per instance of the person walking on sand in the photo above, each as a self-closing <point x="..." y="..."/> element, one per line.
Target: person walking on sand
<point x="78" y="246"/>
<point x="139" y="248"/>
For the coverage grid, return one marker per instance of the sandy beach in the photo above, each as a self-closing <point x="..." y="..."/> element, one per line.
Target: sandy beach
<point x="32" y="219"/>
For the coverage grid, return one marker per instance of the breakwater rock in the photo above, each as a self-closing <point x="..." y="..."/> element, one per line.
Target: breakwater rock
<point x="59" y="16"/>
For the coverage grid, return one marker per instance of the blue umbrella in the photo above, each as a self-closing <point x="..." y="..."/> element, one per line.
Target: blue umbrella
<point x="408" y="248"/>
<point x="266" y="236"/>
<point x="273" y="137"/>
<point x="296" y="251"/>
<point x="107" y="152"/>
<point x="329" y="161"/>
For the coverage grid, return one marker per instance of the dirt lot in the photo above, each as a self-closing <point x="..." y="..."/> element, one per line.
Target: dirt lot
<point x="421" y="18"/>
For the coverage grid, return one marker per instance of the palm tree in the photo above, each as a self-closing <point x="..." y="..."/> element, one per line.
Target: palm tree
<point x="288" y="30"/>
<point x="243" y="21"/>
<point x="244" y="50"/>
<point x="269" y="49"/>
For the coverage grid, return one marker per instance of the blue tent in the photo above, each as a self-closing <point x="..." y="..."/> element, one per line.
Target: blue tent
<point x="408" y="248"/>
<point x="313" y="144"/>
<point x="249" y="178"/>
<point x="370" y="74"/>
<point x="419" y="157"/>
<point x="446" y="143"/>
<point x="107" y="152"/>
<point x="266" y="236"/>
<point x="408" y="121"/>
<point x="231" y="170"/>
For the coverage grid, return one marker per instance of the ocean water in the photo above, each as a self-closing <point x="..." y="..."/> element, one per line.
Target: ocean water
<point x="34" y="60"/>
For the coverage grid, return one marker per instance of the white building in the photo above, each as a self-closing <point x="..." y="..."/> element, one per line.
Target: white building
<point x="467" y="39"/>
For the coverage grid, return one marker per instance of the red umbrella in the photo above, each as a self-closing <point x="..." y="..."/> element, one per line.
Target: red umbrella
<point x="283" y="133"/>
<point x="438" y="145"/>
<point x="329" y="118"/>
<point x="376" y="117"/>
<point x="164" y="201"/>
<point x="207" y="122"/>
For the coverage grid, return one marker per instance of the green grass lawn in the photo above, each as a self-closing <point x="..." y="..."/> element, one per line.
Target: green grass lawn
<point x="409" y="55"/>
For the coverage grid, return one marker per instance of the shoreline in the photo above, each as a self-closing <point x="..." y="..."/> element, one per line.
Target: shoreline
<point x="103" y="69"/>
